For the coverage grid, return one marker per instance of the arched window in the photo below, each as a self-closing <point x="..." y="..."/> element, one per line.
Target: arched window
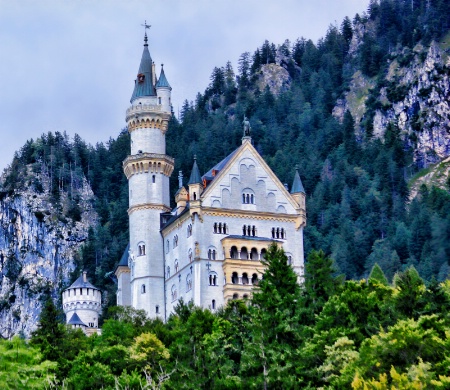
<point x="244" y="278"/>
<point x="235" y="296"/>
<point x="289" y="260"/>
<point x="243" y="198"/>
<point x="195" y="196"/>
<point x="174" y="293"/>
<point x="254" y="279"/>
<point x="175" y="241"/>
<point x="189" y="230"/>
<point x="159" y="100"/>
<point x="167" y="246"/>
<point x="212" y="277"/>
<point x="225" y="228"/>
<point x="143" y="289"/>
<point x="141" y="249"/>
<point x="244" y="253"/>
<point x="168" y="272"/>
<point x="176" y="266"/>
<point x="252" y="199"/>
<point x="188" y="282"/>
<point x="190" y="255"/>
<point x="234" y="252"/>
<point x="273" y="232"/>
<point x="157" y="309"/>
<point x="254" y="254"/>
<point x="234" y="278"/>
<point x="215" y="227"/>
<point x="153" y="179"/>
<point x="213" y="304"/>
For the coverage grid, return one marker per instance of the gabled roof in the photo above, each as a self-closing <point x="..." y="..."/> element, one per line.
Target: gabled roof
<point x="212" y="173"/>
<point x="195" y="178"/>
<point x="162" y="81"/>
<point x="224" y="166"/>
<point x="144" y="82"/>
<point x="80" y="283"/>
<point x="297" y="185"/>
<point x="75" y="320"/>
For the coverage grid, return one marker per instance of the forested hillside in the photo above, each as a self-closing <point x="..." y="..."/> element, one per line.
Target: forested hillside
<point x="352" y="111"/>
<point x="365" y="115"/>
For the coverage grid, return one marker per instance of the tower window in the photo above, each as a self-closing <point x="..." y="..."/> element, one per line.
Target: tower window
<point x="248" y="197"/>
<point x="159" y="100"/>
<point x="157" y="309"/>
<point x="174" y="293"/>
<point x="212" y="254"/>
<point x="143" y="289"/>
<point x="176" y="266"/>
<point x="153" y="178"/>
<point x="213" y="304"/>
<point x="189" y="230"/>
<point x="249" y="231"/>
<point x="212" y="279"/>
<point x="188" y="282"/>
<point x="175" y="241"/>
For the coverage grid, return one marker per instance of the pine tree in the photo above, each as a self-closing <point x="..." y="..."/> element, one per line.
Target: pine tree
<point x="377" y="275"/>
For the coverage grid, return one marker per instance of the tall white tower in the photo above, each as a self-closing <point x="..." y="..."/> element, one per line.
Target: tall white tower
<point x="148" y="170"/>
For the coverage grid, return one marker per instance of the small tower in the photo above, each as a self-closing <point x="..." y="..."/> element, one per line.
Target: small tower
<point x="195" y="189"/>
<point x="148" y="170"/>
<point x="163" y="91"/>
<point x="82" y="305"/>
<point x="297" y="191"/>
<point x="122" y="273"/>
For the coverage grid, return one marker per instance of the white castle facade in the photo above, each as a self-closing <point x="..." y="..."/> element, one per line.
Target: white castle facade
<point x="209" y="247"/>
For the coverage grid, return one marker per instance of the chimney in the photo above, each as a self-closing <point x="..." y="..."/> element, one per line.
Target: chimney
<point x="84" y="277"/>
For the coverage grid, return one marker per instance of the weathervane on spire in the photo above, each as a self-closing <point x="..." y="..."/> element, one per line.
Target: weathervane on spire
<point x="146" y="26"/>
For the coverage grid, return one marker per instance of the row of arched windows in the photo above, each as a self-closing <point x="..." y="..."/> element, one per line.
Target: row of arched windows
<point x="244" y="254"/>
<point x="220" y="228"/>
<point x="212" y="254"/>
<point x="141" y="250"/>
<point x="278" y="233"/>
<point x="248" y="230"/>
<point x="244" y="279"/>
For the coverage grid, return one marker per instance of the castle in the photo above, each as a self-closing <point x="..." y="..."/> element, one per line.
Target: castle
<point x="208" y="248"/>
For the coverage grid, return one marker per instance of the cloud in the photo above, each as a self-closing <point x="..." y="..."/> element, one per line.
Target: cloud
<point x="70" y="65"/>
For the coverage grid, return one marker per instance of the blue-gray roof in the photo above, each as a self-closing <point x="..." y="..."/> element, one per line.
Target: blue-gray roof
<point x="80" y="283"/>
<point x="124" y="259"/>
<point x="144" y="82"/>
<point x="219" y="166"/>
<point x="162" y="81"/>
<point x="297" y="185"/>
<point x="251" y="238"/>
<point x="75" y="320"/>
<point x="195" y="174"/>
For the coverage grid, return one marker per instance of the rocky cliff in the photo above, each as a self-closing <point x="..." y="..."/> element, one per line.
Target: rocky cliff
<point x="39" y="241"/>
<point x="414" y="95"/>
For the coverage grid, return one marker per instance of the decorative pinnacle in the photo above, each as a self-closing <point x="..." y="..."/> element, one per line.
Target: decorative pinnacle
<point x="146" y="26"/>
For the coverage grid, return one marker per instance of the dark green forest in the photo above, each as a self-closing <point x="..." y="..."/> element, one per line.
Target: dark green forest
<point x="373" y="311"/>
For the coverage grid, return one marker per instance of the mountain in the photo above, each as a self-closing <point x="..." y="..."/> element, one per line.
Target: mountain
<point x="362" y="113"/>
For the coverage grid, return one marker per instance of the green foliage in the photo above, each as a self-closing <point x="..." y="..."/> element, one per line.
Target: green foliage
<point x="377" y="275"/>
<point x="22" y="366"/>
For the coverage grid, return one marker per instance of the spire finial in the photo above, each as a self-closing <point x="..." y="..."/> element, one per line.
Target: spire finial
<point x="180" y="179"/>
<point x="146" y="26"/>
<point x="195" y="157"/>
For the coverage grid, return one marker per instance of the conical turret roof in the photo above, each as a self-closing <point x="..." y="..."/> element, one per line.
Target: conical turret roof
<point x="162" y="81"/>
<point x="144" y="81"/>
<point x="297" y="185"/>
<point x="82" y="282"/>
<point x="195" y="178"/>
<point x="76" y="320"/>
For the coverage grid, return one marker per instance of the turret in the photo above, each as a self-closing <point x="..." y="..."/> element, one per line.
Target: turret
<point x="163" y="90"/>
<point x="82" y="303"/>
<point x="182" y="196"/>
<point x="298" y="193"/>
<point x="195" y="189"/>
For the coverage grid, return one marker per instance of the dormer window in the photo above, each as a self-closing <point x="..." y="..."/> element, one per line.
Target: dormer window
<point x="141" y="77"/>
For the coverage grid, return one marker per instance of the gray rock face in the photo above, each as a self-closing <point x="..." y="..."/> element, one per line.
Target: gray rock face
<point x="416" y="99"/>
<point x="37" y="248"/>
<point x="275" y="77"/>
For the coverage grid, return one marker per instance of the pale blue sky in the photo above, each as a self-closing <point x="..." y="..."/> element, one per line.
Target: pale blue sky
<point x="70" y="65"/>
